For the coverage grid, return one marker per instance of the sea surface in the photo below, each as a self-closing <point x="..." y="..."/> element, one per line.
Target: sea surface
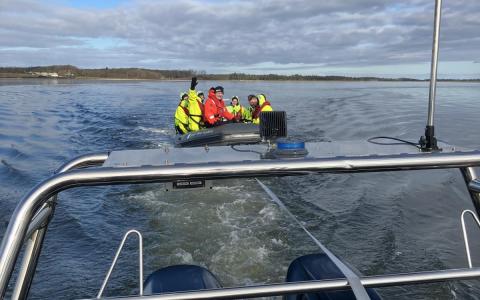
<point x="380" y="223"/>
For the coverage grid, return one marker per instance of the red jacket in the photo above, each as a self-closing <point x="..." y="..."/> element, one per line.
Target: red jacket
<point x="215" y="110"/>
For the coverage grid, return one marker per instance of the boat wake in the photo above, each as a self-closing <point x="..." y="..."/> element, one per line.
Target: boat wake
<point x="164" y="131"/>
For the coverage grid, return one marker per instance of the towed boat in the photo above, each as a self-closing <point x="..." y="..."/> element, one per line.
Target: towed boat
<point x="227" y="134"/>
<point x="273" y="124"/>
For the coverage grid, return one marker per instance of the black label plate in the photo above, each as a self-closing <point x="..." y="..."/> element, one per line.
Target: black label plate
<point x="188" y="184"/>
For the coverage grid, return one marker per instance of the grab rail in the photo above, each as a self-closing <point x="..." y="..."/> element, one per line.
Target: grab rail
<point x="26" y="209"/>
<point x="314" y="286"/>
<point x="38" y="226"/>
<point x="465" y="235"/>
<point x="119" y="250"/>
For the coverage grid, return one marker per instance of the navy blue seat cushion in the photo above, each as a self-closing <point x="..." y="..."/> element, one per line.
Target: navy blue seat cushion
<point x="180" y="278"/>
<point x="319" y="267"/>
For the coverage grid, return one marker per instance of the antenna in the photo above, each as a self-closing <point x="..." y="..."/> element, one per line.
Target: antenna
<point x="429" y="142"/>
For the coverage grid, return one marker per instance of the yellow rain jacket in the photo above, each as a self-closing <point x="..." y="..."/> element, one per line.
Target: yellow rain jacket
<point x="181" y="117"/>
<point x="195" y="108"/>
<point x="263" y="105"/>
<point x="238" y="110"/>
<point x="247" y="115"/>
<point x="235" y="109"/>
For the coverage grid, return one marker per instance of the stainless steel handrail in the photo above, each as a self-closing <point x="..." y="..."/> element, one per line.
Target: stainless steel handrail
<point x="83" y="161"/>
<point x="21" y="217"/>
<point x="40" y="219"/>
<point x="319" y="285"/>
<point x="79" y="162"/>
<point x="465" y="235"/>
<point x="38" y="226"/>
<point x="117" y="254"/>
<point x="474" y="186"/>
<point x="470" y="177"/>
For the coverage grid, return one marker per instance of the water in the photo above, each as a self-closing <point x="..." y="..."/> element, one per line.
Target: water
<point x="381" y="223"/>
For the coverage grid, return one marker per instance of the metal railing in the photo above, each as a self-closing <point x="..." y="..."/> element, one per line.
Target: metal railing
<point x="34" y="202"/>
<point x="117" y="254"/>
<point x="465" y="235"/>
<point x="38" y="226"/>
<point x="318" y="285"/>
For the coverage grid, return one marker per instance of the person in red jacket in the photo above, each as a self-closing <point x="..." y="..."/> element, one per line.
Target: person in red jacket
<point x="215" y="112"/>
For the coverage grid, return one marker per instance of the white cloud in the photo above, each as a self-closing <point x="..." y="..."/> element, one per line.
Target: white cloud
<point x="231" y="35"/>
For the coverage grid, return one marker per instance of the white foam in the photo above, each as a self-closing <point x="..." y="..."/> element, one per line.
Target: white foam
<point x="277" y="242"/>
<point x="268" y="213"/>
<point x="182" y="256"/>
<point x="156" y="130"/>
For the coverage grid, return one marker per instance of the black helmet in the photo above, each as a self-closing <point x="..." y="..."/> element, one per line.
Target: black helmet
<point x="219" y="89"/>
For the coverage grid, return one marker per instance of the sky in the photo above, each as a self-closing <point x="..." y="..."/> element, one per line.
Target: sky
<point x="328" y="37"/>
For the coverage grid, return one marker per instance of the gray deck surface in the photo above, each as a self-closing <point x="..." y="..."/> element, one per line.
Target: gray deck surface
<point x="171" y="155"/>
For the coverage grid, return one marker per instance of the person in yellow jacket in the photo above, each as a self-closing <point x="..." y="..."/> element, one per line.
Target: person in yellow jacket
<point x="258" y="104"/>
<point x="195" y="107"/>
<point x="182" y="115"/>
<point x="201" y="95"/>
<point x="237" y="109"/>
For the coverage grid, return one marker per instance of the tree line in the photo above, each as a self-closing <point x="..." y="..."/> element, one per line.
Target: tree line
<point x="69" y="71"/>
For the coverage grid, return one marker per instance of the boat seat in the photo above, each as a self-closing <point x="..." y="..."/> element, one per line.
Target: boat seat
<point x="179" y="278"/>
<point x="319" y="267"/>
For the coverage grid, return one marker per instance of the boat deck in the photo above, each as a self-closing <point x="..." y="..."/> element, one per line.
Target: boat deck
<point x="340" y="150"/>
<point x="29" y="221"/>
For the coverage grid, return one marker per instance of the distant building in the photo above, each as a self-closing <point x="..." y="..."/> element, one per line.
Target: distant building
<point x="45" y="74"/>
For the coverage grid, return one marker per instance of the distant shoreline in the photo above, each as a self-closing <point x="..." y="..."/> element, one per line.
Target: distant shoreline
<point x="79" y="79"/>
<point x="69" y="72"/>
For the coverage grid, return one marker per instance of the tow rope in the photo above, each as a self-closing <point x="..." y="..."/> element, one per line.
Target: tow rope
<point x="352" y="278"/>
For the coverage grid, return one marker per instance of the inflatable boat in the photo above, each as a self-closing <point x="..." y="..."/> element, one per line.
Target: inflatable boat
<point x="273" y="124"/>
<point x="228" y="134"/>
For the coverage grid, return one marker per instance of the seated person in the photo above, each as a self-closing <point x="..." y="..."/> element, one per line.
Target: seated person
<point x="236" y="109"/>
<point x="182" y="115"/>
<point x="258" y="104"/>
<point x="201" y="96"/>
<point x="215" y="112"/>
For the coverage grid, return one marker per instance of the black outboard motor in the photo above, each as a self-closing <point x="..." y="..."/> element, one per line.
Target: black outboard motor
<point x="180" y="278"/>
<point x="273" y="125"/>
<point x="319" y="267"/>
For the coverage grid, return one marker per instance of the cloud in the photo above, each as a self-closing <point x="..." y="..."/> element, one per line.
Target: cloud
<point x="225" y="35"/>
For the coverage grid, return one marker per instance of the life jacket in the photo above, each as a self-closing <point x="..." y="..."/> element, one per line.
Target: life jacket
<point x="215" y="109"/>
<point x="259" y="108"/>
<point x="185" y="110"/>
<point x="181" y="117"/>
<point x="195" y="107"/>
<point x="201" y="105"/>
<point x="235" y="109"/>
<point x="201" y="115"/>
